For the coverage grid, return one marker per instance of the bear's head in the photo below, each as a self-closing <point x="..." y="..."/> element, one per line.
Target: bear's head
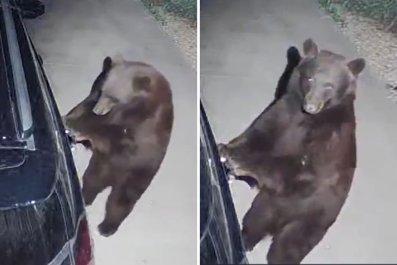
<point x="118" y="83"/>
<point x="122" y="83"/>
<point x="325" y="78"/>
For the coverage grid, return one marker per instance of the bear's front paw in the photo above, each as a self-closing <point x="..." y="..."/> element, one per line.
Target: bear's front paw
<point x="222" y="151"/>
<point x="220" y="146"/>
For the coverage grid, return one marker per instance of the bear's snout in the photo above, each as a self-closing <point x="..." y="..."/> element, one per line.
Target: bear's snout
<point x="313" y="103"/>
<point x="313" y="108"/>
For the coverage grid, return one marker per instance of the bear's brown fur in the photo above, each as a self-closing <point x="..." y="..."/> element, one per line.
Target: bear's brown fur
<point x="302" y="154"/>
<point x="293" y="59"/>
<point x="126" y="121"/>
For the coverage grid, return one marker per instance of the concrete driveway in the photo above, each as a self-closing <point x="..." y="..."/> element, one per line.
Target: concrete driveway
<point x="243" y="47"/>
<point x="73" y="38"/>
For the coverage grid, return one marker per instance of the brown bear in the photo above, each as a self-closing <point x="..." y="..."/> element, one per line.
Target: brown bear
<point x="302" y="154"/>
<point x="126" y="121"/>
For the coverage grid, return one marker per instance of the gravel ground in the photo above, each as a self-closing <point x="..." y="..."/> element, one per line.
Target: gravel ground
<point x="182" y="31"/>
<point x="377" y="46"/>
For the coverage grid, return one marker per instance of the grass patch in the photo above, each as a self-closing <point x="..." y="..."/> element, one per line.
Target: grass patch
<point x="153" y="9"/>
<point x="334" y="9"/>
<point x="383" y="11"/>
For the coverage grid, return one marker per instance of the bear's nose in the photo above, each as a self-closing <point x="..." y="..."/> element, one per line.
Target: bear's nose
<point x="310" y="108"/>
<point x="313" y="108"/>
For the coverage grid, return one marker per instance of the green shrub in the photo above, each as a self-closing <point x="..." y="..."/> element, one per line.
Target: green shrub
<point x="183" y="8"/>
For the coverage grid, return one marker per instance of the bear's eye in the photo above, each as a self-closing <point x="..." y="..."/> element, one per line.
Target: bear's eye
<point x="310" y="79"/>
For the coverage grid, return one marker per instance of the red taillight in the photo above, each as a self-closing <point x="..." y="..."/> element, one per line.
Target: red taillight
<point x="83" y="246"/>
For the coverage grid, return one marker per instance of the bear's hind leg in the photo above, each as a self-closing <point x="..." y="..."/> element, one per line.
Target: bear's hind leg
<point x="294" y="242"/>
<point x="258" y="222"/>
<point x="119" y="205"/>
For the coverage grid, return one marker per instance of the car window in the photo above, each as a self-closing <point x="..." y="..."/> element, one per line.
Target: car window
<point x="15" y="89"/>
<point x="8" y="118"/>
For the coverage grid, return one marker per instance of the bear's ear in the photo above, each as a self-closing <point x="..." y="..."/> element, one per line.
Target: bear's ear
<point x="310" y="48"/>
<point x="356" y="66"/>
<point x="107" y="64"/>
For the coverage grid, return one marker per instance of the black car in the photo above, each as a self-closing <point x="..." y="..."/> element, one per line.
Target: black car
<point x="42" y="214"/>
<point x="220" y="238"/>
